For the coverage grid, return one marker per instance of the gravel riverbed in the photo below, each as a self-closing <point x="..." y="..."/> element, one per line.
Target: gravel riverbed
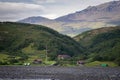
<point x="58" y="73"/>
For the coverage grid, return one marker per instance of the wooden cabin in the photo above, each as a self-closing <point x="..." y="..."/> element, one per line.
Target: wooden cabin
<point x="80" y="62"/>
<point x="37" y="61"/>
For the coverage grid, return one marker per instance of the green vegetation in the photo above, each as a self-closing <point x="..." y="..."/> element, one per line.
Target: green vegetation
<point x="101" y="44"/>
<point x="26" y="42"/>
<point x="23" y="43"/>
<point x="99" y="63"/>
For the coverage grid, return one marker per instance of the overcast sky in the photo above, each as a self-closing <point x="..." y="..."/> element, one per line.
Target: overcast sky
<point x="12" y="10"/>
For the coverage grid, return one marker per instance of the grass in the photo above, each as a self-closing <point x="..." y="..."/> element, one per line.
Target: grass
<point x="29" y="49"/>
<point x="50" y="62"/>
<point x="98" y="63"/>
<point x="3" y="56"/>
<point x="34" y="53"/>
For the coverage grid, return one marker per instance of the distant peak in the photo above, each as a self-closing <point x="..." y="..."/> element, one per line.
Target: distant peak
<point x="89" y="7"/>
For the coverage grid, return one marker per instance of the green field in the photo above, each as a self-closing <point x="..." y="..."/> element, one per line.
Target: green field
<point x="98" y="63"/>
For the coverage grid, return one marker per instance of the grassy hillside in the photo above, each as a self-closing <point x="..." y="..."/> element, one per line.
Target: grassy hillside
<point x="28" y="42"/>
<point x="102" y="44"/>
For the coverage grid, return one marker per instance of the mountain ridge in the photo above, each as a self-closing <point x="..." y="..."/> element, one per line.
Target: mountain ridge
<point x="93" y="10"/>
<point x="34" y="20"/>
<point x="90" y="18"/>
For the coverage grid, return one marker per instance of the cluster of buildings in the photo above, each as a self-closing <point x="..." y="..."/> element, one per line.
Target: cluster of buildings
<point x="60" y="57"/>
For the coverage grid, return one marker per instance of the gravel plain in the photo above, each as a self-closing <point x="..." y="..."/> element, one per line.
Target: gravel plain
<point x="58" y="73"/>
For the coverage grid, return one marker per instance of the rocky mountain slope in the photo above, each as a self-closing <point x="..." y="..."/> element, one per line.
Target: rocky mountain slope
<point x="92" y="17"/>
<point x="102" y="13"/>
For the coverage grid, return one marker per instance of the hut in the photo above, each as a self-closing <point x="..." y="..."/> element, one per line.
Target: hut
<point x="80" y="62"/>
<point x="37" y="61"/>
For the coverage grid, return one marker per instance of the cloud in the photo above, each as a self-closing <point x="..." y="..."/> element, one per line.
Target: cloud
<point x="23" y="1"/>
<point x="44" y="1"/>
<point x="19" y="10"/>
<point x="30" y="1"/>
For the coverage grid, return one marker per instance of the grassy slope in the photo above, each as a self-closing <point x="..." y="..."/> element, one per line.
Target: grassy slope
<point x="98" y="63"/>
<point x="19" y="39"/>
<point x="102" y="44"/>
<point x="86" y="38"/>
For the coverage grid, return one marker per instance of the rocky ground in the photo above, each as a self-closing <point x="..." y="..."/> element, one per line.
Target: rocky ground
<point x="58" y="73"/>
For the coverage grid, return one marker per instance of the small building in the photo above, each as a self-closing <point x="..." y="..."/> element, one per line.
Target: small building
<point x="63" y="57"/>
<point x="80" y="62"/>
<point x="37" y="61"/>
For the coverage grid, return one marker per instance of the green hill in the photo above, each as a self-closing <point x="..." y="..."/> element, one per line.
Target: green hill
<point x="101" y="44"/>
<point x="25" y="42"/>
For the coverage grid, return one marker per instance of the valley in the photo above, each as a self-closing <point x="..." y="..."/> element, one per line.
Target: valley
<point x="59" y="40"/>
<point x="94" y="31"/>
<point x="28" y="44"/>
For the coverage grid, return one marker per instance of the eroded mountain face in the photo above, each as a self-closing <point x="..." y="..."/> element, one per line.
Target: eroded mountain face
<point x="92" y="17"/>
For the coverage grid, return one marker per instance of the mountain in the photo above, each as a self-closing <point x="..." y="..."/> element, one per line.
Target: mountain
<point x="31" y="41"/>
<point x="103" y="15"/>
<point x="93" y="17"/>
<point x="100" y="13"/>
<point x="56" y="25"/>
<point x="102" y="44"/>
<point x="34" y="20"/>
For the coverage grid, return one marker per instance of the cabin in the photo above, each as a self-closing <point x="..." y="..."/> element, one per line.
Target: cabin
<point x="80" y="62"/>
<point x="61" y="57"/>
<point x="37" y="61"/>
